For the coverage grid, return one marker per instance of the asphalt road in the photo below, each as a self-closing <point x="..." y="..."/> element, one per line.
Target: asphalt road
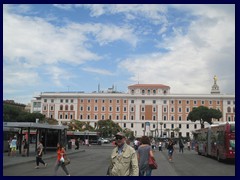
<point x="95" y="159"/>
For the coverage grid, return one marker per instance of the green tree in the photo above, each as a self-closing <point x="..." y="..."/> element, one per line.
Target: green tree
<point x="204" y="114"/>
<point x="128" y="133"/>
<point x="107" y="128"/>
<point x="12" y="113"/>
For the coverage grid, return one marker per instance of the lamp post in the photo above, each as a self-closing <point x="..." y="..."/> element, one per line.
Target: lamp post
<point x="161" y="128"/>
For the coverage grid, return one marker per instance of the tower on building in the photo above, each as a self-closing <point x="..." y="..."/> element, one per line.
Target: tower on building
<point x="215" y="87"/>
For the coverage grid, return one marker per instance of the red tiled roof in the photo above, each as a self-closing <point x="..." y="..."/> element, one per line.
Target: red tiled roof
<point x="148" y="86"/>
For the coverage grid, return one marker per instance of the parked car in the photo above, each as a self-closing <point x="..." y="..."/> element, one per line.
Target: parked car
<point x="104" y="141"/>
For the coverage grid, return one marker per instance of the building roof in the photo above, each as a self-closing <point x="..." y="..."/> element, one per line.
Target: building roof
<point x="148" y="86"/>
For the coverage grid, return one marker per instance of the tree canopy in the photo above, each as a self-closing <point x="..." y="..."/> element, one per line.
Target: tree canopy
<point x="204" y="114"/>
<point x="14" y="114"/>
<point x="107" y="128"/>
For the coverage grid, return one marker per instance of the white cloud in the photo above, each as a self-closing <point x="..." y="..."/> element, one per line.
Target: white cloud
<point x="98" y="71"/>
<point x="194" y="58"/>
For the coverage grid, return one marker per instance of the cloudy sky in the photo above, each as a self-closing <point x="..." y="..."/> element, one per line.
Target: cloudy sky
<point x="76" y="47"/>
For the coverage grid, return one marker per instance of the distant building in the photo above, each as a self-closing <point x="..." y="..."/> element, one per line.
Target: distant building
<point x="146" y="109"/>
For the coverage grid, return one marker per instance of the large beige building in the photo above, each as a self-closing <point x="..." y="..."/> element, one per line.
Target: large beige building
<point x="146" y="109"/>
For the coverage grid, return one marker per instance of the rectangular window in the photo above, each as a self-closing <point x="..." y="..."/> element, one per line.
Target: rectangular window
<point x="131" y="125"/>
<point x="154" y="101"/>
<point x="143" y="101"/>
<point x="132" y="101"/>
<point x="179" y="110"/>
<point x="45" y="100"/>
<point x="164" y="109"/>
<point x="164" y="101"/>
<point x="179" y="118"/>
<point x="154" y="118"/>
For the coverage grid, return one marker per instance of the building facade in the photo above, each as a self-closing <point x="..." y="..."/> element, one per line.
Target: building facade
<point x="146" y="109"/>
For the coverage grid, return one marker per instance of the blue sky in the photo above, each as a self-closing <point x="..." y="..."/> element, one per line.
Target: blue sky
<point x="76" y="47"/>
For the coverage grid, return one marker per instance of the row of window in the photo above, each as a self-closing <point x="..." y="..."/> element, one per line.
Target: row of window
<point x="132" y="101"/>
<point x="125" y="117"/>
<point x="148" y="92"/>
<point x="154" y="109"/>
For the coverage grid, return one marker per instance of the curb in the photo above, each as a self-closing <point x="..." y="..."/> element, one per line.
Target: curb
<point x="34" y="160"/>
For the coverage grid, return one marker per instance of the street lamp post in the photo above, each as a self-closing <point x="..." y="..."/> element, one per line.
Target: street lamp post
<point x="161" y="128"/>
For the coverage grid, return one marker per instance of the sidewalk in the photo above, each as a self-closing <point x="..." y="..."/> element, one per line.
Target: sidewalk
<point x="9" y="161"/>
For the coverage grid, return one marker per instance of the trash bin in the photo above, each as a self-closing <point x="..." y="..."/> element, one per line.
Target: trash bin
<point x="69" y="144"/>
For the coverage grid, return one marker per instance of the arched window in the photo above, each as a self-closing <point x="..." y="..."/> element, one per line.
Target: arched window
<point x="132" y="91"/>
<point x="71" y="107"/>
<point x="229" y="109"/>
<point x="154" y="91"/>
<point x="66" y="108"/>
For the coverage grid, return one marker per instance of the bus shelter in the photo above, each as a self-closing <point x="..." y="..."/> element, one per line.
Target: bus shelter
<point x="50" y="135"/>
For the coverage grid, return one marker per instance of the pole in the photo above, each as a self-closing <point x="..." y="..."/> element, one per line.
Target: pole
<point x="161" y="128"/>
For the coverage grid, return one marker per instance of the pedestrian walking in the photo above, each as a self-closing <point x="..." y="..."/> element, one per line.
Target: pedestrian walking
<point x="188" y="145"/>
<point x="76" y="144"/>
<point x="153" y="143"/>
<point x="39" y="155"/>
<point x="181" y="146"/>
<point x="60" y="160"/>
<point x="160" y="146"/>
<point x="123" y="159"/>
<point x="170" y="148"/>
<point x="9" y="146"/>
<point x="13" y="146"/>
<point x="144" y="151"/>
<point x="25" y="146"/>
